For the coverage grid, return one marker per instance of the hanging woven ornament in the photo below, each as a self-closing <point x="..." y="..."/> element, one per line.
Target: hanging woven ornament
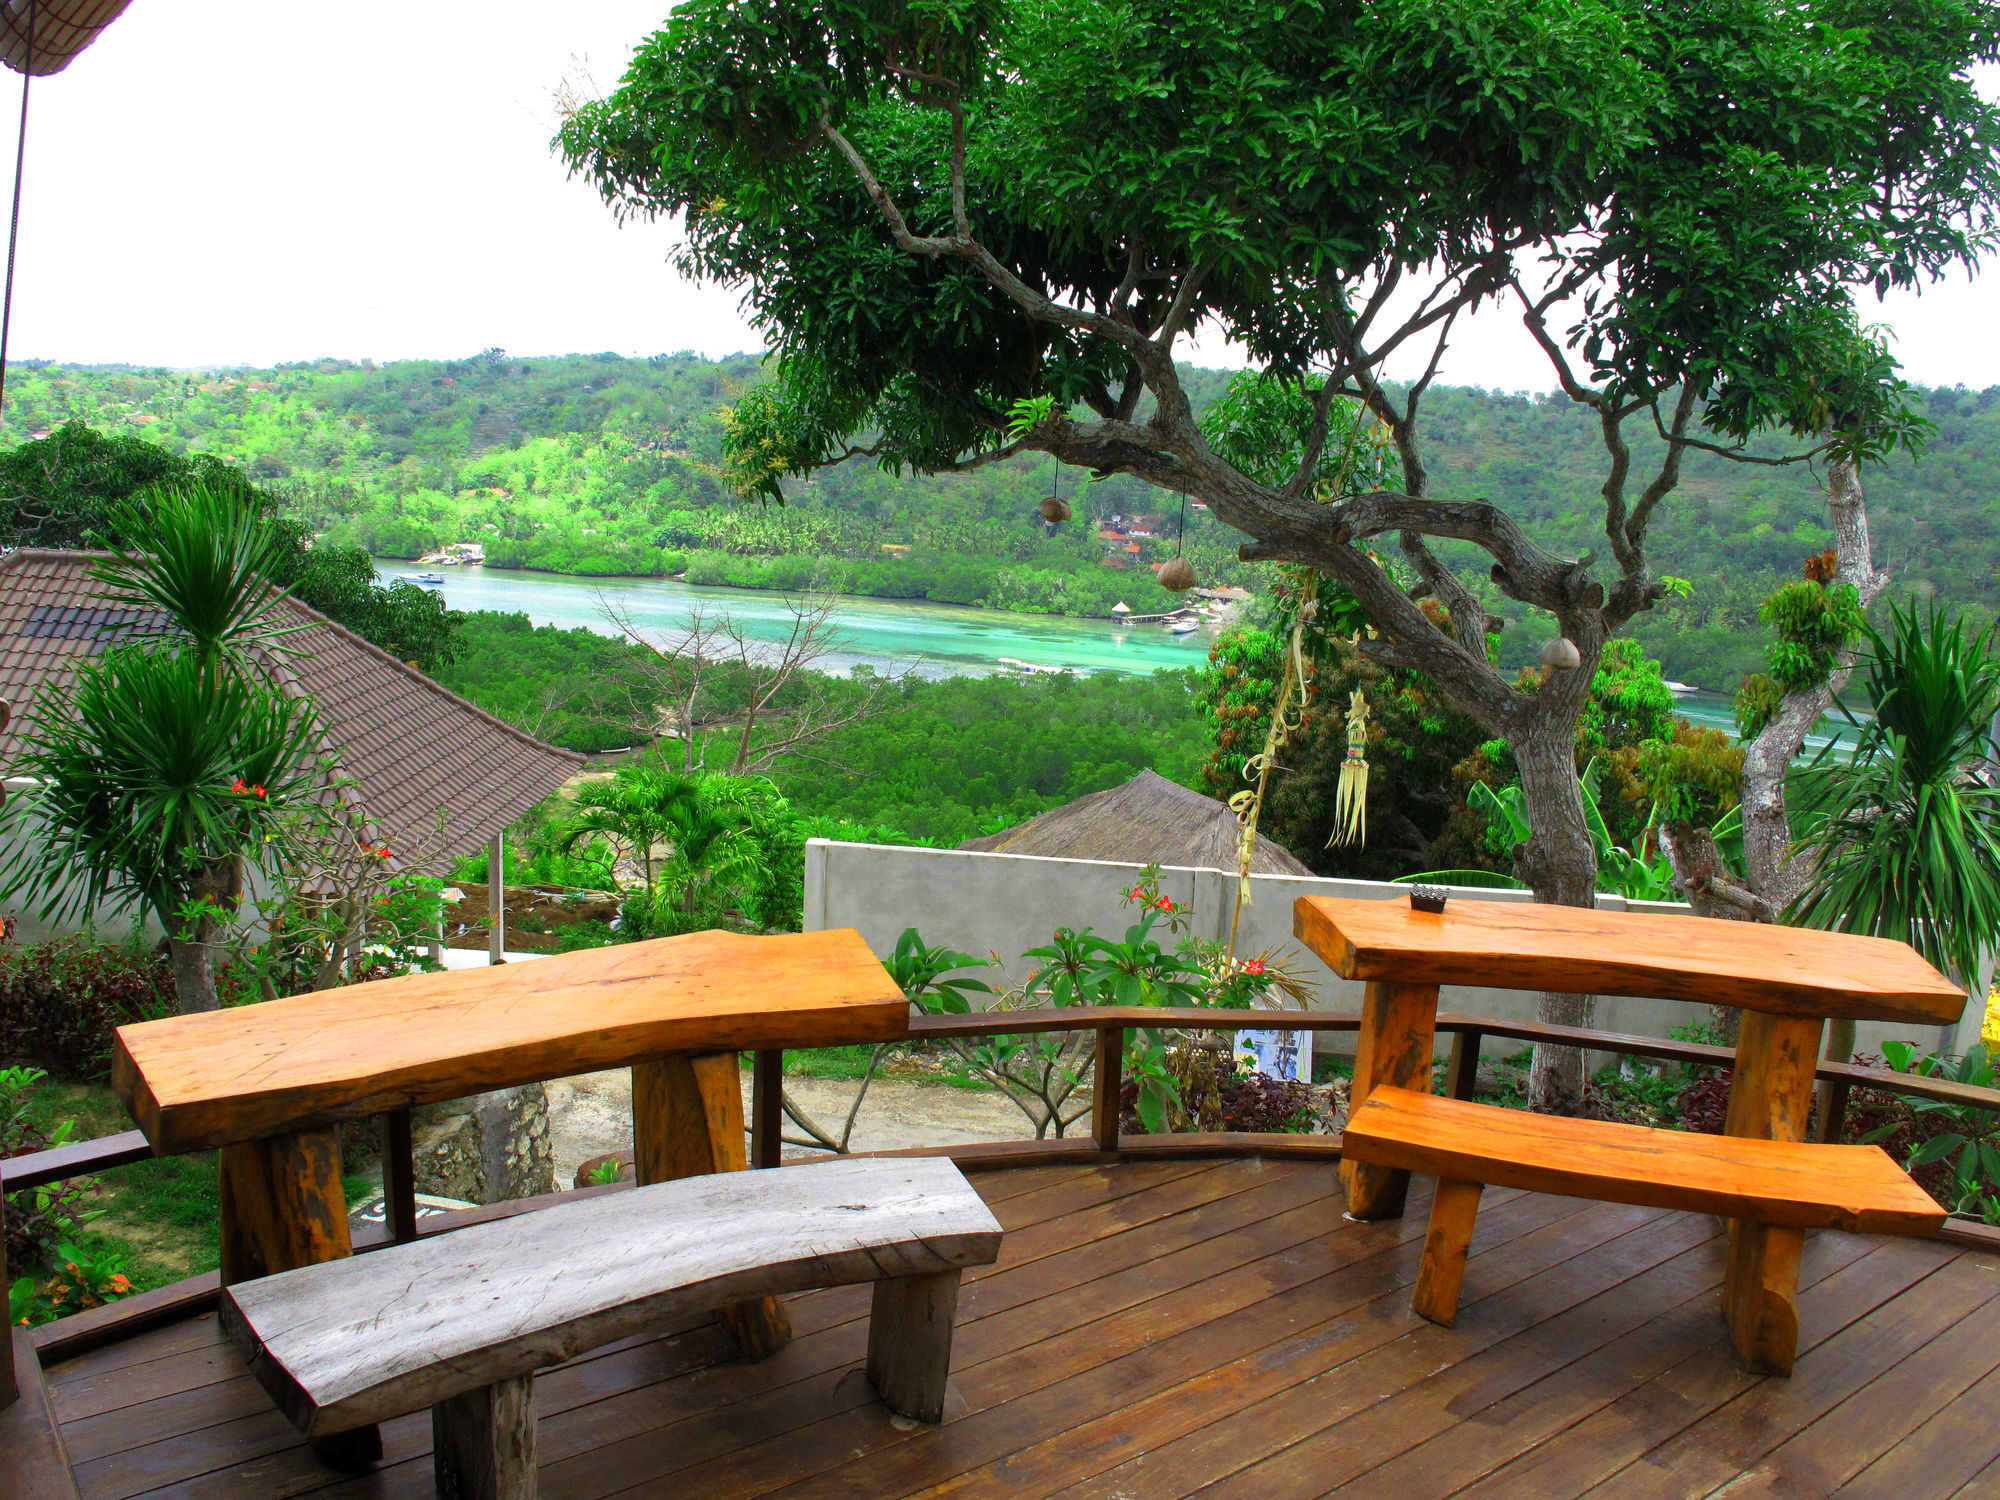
<point x="1350" y="798"/>
<point x="1177" y="573"/>
<point x="1054" y="509"/>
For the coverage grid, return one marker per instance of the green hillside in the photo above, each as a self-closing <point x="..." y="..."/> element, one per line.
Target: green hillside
<point x="596" y="464"/>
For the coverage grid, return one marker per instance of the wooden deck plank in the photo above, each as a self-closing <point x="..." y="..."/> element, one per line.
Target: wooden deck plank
<point x="1216" y="1325"/>
<point x="1051" y="1290"/>
<point x="1831" y="1450"/>
<point x="1167" y="1445"/>
<point x="1730" y="1441"/>
<point x="1941" y="1456"/>
<point x="1165" y="1377"/>
<point x="735" y="1444"/>
<point x="1839" y="1272"/>
<point x="1283" y="1446"/>
<point x="1480" y="1438"/>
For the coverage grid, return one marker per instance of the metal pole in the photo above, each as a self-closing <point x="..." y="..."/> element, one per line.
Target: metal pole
<point x="14" y="221"/>
<point x="496" y="899"/>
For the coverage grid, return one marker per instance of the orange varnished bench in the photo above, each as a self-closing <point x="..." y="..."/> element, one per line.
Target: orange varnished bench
<point x="1787" y="1186"/>
<point x="1761" y="1173"/>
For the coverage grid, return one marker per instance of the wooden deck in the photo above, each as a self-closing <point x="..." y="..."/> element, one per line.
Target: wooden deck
<point x="1162" y="1329"/>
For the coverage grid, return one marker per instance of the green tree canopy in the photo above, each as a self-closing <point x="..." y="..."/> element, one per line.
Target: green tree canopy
<point x="948" y="215"/>
<point x="79" y="487"/>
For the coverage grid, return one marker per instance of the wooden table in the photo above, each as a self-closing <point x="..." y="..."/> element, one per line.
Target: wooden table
<point x="269" y="1084"/>
<point x="1787" y="980"/>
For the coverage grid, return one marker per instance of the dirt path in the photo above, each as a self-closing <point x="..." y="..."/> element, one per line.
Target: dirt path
<point x="591" y="1115"/>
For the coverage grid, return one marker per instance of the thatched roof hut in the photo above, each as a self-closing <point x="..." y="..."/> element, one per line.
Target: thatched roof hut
<point x="1148" y="820"/>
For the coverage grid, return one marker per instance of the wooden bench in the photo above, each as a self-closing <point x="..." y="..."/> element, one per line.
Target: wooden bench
<point x="461" y="1322"/>
<point x="1785" y="1186"/>
<point x="1786" y="980"/>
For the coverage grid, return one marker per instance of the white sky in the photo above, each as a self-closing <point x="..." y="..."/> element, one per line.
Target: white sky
<point x="229" y="182"/>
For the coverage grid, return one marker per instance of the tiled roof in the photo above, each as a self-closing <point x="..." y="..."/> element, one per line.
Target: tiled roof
<point x="412" y="746"/>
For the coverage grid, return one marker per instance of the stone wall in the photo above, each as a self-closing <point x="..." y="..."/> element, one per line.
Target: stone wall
<point x="488" y="1148"/>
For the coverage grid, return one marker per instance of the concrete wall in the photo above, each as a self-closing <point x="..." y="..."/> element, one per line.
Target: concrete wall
<point x="1006" y="903"/>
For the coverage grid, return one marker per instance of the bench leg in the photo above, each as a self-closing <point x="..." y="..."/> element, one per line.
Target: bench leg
<point x="687" y="1121"/>
<point x="283" y="1207"/>
<point x="1760" y="1295"/>
<point x="485" y="1443"/>
<point x="909" y="1342"/>
<point x="1394" y="1046"/>
<point x="1453" y="1211"/>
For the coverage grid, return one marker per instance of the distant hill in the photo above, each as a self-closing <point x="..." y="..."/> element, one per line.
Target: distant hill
<point x="599" y="464"/>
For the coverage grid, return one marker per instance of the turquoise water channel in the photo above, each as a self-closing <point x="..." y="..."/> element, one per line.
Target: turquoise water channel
<point x="934" y="640"/>
<point x="937" y="640"/>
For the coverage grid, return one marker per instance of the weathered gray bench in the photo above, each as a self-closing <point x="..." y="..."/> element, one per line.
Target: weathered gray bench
<point x="461" y="1322"/>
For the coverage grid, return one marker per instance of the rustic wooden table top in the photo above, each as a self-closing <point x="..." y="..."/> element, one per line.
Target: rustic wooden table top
<point x="197" y="1082"/>
<point x="1523" y="946"/>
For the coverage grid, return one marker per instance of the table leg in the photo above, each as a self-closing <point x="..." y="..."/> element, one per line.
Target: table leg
<point x="1395" y="1046"/>
<point x="283" y="1207"/>
<point x="1770" y="1098"/>
<point x="687" y="1120"/>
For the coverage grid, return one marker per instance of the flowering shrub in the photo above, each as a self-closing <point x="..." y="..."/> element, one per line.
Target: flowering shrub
<point x="61" y="1000"/>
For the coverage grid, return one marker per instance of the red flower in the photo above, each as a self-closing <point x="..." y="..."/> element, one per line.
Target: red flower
<point x="256" y="791"/>
<point x="239" y="787"/>
<point x="1253" y="966"/>
<point x="1164" y="904"/>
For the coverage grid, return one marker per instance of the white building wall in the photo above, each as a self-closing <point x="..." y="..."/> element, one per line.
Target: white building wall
<point x="1003" y="904"/>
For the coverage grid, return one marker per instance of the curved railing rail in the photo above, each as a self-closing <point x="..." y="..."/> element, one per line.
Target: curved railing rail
<point x="1104" y="1141"/>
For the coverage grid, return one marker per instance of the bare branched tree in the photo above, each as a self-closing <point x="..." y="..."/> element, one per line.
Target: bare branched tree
<point x="785" y="684"/>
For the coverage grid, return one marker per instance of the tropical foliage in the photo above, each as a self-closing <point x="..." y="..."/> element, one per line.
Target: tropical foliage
<point x="171" y="767"/>
<point x="1904" y="835"/>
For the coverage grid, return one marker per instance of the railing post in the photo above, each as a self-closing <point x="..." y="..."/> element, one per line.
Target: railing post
<point x="1461" y="1077"/>
<point x="767" y="1109"/>
<point x="1109" y="1086"/>
<point x="1832" y="1110"/>
<point x="10" y="1385"/>
<point x="399" y="1177"/>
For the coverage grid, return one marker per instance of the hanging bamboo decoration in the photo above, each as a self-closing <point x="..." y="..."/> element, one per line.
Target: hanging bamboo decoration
<point x="1285" y="717"/>
<point x="1350" y="798"/>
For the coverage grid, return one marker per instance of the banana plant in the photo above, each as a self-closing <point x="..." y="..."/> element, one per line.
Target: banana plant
<point x="1636" y="877"/>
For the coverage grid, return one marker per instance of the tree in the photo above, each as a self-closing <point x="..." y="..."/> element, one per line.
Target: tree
<point x="689" y="833"/>
<point x="1817" y="619"/>
<point x="715" y="671"/>
<point x="169" y="769"/>
<point x="976" y="230"/>
<point x="62" y="490"/>
<point x="82" y="488"/>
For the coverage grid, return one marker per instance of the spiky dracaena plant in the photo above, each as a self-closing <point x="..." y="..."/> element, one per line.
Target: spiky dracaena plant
<point x="171" y="766"/>
<point x="1904" y="836"/>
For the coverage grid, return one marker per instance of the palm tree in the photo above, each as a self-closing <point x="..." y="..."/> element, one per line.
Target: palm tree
<point x="688" y="832"/>
<point x="168" y="769"/>
<point x="1903" y="839"/>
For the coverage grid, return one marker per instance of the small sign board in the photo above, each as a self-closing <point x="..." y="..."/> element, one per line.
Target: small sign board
<point x="1281" y="1054"/>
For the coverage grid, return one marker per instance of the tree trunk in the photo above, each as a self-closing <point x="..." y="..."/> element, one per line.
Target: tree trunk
<point x="1559" y="863"/>
<point x="193" y="962"/>
<point x="1767" y="832"/>
<point x="1699" y="870"/>
<point x="193" y="957"/>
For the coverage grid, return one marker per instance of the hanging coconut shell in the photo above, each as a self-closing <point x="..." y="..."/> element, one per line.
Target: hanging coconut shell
<point x="1561" y="653"/>
<point x="1054" y="509"/>
<point x="1177" y="575"/>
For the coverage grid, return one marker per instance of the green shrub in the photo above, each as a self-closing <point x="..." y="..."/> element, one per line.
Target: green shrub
<point x="61" y="1000"/>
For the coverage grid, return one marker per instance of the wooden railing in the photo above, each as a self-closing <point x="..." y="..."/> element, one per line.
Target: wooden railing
<point x="1103" y="1141"/>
